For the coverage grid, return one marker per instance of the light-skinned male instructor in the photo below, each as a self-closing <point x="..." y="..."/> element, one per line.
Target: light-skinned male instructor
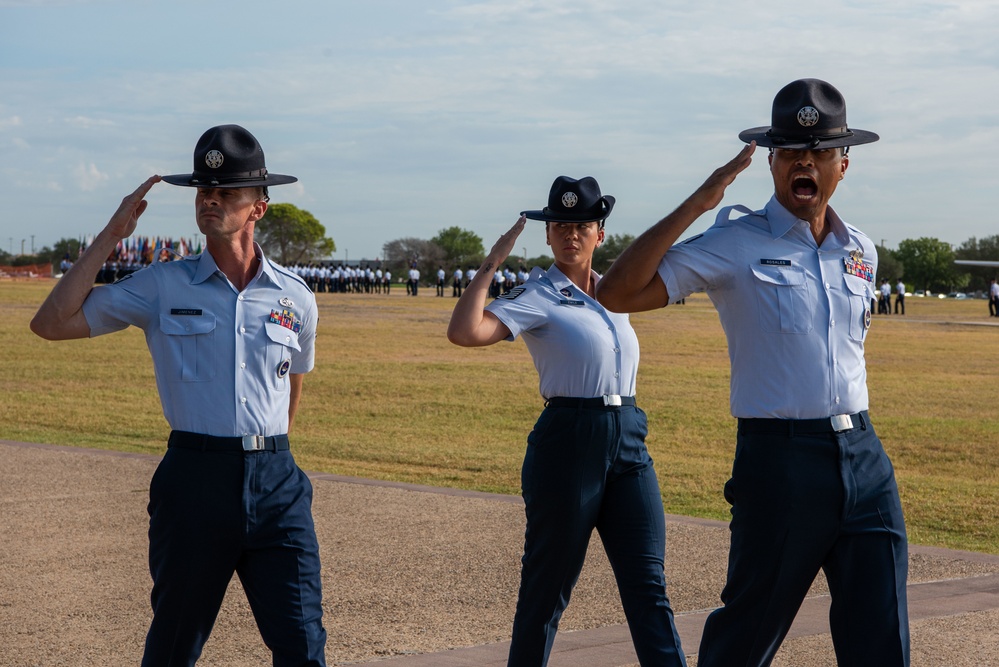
<point x="231" y="336"/>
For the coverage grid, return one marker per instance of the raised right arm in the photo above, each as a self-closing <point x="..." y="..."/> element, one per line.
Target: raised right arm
<point x="471" y="324"/>
<point x="60" y="316"/>
<point x="632" y="283"/>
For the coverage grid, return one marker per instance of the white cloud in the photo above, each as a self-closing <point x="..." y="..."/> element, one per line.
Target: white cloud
<point x="84" y="123"/>
<point x="387" y="120"/>
<point x="89" y="177"/>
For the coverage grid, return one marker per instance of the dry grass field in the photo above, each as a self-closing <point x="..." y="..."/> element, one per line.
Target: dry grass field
<point x="390" y="398"/>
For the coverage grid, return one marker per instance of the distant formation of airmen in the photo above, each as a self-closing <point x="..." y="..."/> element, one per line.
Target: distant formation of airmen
<point x="343" y="279"/>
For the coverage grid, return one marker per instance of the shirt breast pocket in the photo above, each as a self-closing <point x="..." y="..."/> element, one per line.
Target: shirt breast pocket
<point x="189" y="345"/>
<point x="282" y="344"/>
<point x="860" y="292"/>
<point x="784" y="302"/>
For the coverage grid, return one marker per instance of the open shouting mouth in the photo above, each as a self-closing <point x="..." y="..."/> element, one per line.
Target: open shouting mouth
<point x="804" y="187"/>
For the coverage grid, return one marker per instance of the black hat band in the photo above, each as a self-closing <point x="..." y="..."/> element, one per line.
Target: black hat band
<point x="254" y="175"/>
<point x="590" y="214"/>
<point x="779" y="137"/>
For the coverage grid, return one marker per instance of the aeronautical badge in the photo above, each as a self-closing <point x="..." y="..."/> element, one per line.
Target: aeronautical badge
<point x="569" y="199"/>
<point x="214" y="159"/>
<point x="867" y="318"/>
<point x="512" y="294"/>
<point x="286" y="302"/>
<point x="283" y="368"/>
<point x="857" y="255"/>
<point x="808" y="116"/>
<point x="565" y="291"/>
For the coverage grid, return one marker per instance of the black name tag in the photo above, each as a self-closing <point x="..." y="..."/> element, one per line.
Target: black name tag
<point x="775" y="262"/>
<point x="570" y="302"/>
<point x="185" y="311"/>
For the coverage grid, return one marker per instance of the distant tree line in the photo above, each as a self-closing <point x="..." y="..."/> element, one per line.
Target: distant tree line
<point x="923" y="263"/>
<point x="290" y="235"/>
<point x="460" y="248"/>
<point x="928" y="264"/>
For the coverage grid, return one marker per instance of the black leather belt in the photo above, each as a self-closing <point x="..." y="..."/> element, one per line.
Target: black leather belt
<point x="214" y="443"/>
<point x="834" y="424"/>
<point x="606" y="401"/>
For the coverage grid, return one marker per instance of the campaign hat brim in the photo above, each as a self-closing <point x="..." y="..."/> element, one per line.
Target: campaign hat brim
<point x="207" y="181"/>
<point x="547" y="215"/>
<point x="767" y="138"/>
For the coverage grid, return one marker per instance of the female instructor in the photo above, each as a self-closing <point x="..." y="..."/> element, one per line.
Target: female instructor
<point x="586" y="465"/>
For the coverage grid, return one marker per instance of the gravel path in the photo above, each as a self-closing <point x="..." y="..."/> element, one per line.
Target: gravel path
<point x="408" y="573"/>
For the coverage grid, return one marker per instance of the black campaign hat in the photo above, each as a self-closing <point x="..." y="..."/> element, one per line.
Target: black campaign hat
<point x="574" y="201"/>
<point x="808" y="113"/>
<point x="228" y="156"/>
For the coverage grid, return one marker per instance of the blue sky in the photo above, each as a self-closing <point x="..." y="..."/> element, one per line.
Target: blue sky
<point x="405" y="117"/>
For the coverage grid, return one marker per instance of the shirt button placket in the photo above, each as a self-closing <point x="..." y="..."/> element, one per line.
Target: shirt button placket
<point x="241" y="344"/>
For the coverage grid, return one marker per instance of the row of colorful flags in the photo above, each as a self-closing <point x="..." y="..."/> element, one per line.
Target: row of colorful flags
<point x="147" y="249"/>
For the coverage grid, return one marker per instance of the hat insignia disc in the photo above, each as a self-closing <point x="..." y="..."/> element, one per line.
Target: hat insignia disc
<point x="569" y="199"/>
<point x="214" y="159"/>
<point x="808" y="116"/>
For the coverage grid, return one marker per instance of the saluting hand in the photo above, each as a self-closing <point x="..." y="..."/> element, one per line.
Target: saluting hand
<point x="505" y="244"/>
<point x="712" y="190"/>
<point x="124" y="220"/>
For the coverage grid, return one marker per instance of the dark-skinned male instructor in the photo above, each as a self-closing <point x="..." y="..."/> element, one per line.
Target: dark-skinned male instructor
<point x="811" y="486"/>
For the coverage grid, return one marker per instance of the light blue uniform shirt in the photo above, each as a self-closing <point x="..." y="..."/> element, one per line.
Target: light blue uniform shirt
<point x="221" y="357"/>
<point x="795" y="314"/>
<point x="579" y="347"/>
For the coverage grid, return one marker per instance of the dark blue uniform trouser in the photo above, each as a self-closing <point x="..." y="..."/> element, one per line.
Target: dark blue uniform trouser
<point x="586" y="469"/>
<point x="215" y="513"/>
<point x="801" y="502"/>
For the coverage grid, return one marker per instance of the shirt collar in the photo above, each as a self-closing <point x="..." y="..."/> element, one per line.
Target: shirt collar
<point x="266" y="267"/>
<point x="207" y="267"/>
<point x="559" y="279"/>
<point x="782" y="221"/>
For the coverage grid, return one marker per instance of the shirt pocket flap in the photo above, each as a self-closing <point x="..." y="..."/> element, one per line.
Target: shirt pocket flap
<point x="282" y="335"/>
<point x="186" y="325"/>
<point x="859" y="286"/>
<point x="779" y="275"/>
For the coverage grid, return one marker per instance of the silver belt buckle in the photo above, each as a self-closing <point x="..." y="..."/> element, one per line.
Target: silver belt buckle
<point x="254" y="443"/>
<point x="841" y="422"/>
<point x="612" y="399"/>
